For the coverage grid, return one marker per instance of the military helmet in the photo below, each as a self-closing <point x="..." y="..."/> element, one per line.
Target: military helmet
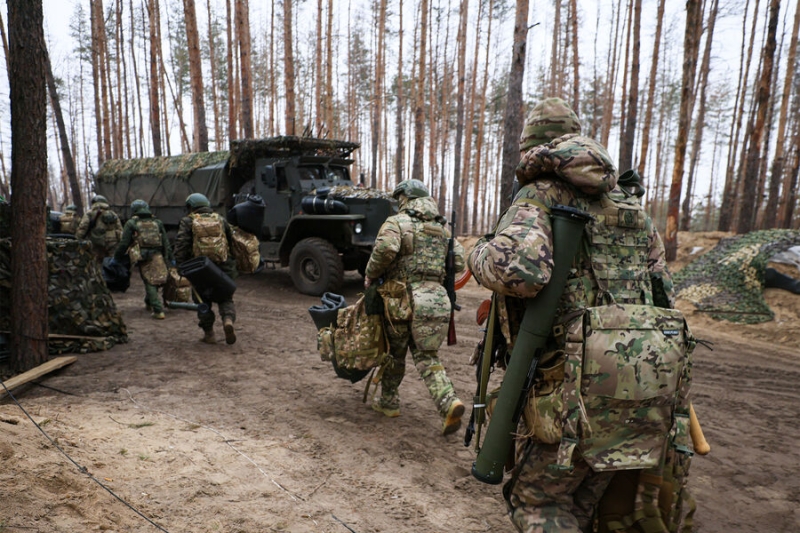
<point x="410" y="188"/>
<point x="140" y="207"/>
<point x="71" y="208"/>
<point x="99" y="198"/>
<point x="549" y="119"/>
<point x="195" y="200"/>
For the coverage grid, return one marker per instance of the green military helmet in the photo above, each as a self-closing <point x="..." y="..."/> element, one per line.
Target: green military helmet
<point x="551" y="118"/>
<point x="411" y="189"/>
<point x="97" y="198"/>
<point x="140" y="207"/>
<point x="71" y="208"/>
<point x="195" y="200"/>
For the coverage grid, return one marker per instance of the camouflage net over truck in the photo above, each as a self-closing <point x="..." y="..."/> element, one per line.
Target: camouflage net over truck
<point x="82" y="314"/>
<point x="728" y="281"/>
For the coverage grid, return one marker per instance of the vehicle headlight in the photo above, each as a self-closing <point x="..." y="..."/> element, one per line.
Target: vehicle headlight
<point x="358" y="228"/>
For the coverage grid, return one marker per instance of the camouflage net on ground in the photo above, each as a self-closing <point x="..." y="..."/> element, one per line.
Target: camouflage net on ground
<point x="728" y="281"/>
<point x="82" y="314"/>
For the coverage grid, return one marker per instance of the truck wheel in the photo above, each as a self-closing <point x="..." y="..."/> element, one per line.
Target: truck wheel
<point x="315" y="266"/>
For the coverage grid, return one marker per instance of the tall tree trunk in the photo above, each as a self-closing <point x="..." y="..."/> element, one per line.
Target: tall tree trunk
<point x="648" y="114"/>
<point x="690" y="52"/>
<point x="611" y="81"/>
<point x="626" y="155"/>
<point x="461" y="44"/>
<point x="328" y="97"/>
<point x="212" y="59"/>
<point x="625" y="70"/>
<point x="155" y="110"/>
<point x="66" y="153"/>
<point x="773" y="210"/>
<point x="555" y="66"/>
<point x="319" y="120"/>
<point x="401" y="144"/>
<point x="140" y="132"/>
<point x="377" y="95"/>
<point x="729" y="194"/>
<point x="576" y="78"/>
<point x="243" y="35"/>
<point x="417" y="172"/>
<point x="200" y="132"/>
<point x="29" y="270"/>
<point x="481" y="175"/>
<point x="750" y="177"/>
<point x="699" y="124"/>
<point x="288" y="67"/>
<point x="233" y="128"/>
<point x="469" y="126"/>
<point x="513" y="118"/>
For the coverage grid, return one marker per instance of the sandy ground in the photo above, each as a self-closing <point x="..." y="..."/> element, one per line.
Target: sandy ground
<point x="167" y="434"/>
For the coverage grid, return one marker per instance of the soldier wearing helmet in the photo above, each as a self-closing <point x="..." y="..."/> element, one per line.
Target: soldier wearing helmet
<point x="70" y="220"/>
<point x="204" y="232"/>
<point x="145" y="241"/>
<point x="409" y="257"/>
<point x="559" y="478"/>
<point x="102" y="227"/>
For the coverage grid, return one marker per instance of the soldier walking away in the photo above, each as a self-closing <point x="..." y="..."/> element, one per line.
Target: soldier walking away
<point x="145" y="240"/>
<point x="70" y="220"/>
<point x="102" y="227"/>
<point x="569" y="444"/>
<point x="204" y="232"/>
<point x="409" y="258"/>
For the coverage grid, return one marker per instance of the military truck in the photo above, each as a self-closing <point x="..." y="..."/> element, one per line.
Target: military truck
<point x="315" y="221"/>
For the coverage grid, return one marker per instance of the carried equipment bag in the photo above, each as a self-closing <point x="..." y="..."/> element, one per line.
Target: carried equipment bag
<point x="208" y="237"/>
<point x="245" y="249"/>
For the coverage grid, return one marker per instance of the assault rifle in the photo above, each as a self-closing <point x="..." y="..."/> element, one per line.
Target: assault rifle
<point x="450" y="282"/>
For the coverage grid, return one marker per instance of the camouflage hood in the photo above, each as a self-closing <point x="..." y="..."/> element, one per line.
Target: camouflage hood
<point x="580" y="161"/>
<point x="421" y="208"/>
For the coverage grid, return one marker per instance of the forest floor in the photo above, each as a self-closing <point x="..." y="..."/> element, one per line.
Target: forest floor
<point x="165" y="433"/>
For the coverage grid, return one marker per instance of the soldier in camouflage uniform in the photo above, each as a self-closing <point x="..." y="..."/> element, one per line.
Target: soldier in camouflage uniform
<point x="102" y="227"/>
<point x="409" y="254"/>
<point x="559" y="167"/>
<point x="152" y="252"/>
<point x="70" y="220"/>
<point x="205" y="233"/>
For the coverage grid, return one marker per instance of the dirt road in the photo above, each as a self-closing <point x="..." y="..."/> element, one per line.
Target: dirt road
<point x="262" y="437"/>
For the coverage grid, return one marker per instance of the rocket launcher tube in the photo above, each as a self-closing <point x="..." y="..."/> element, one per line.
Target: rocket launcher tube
<point x="537" y="322"/>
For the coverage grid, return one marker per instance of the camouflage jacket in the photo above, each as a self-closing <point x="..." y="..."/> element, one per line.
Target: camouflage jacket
<point x="184" y="242"/>
<point x="516" y="261"/>
<point x="131" y="230"/>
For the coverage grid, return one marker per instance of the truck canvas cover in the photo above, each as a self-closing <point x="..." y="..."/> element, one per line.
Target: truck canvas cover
<point x="163" y="181"/>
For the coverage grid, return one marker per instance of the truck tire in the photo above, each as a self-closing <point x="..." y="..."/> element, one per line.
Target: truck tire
<point x="315" y="266"/>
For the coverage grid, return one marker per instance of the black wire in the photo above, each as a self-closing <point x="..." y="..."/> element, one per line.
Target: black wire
<point x="345" y="525"/>
<point x="80" y="468"/>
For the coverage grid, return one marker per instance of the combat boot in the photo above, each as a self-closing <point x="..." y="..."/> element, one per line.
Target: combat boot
<point x="385" y="409"/>
<point x="230" y="334"/>
<point x="208" y="336"/>
<point x="452" y="421"/>
<point x="158" y="315"/>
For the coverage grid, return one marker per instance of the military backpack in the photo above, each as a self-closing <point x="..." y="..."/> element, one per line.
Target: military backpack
<point x="208" y="237"/>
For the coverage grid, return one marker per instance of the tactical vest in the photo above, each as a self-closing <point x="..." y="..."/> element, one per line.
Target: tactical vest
<point x="148" y="233"/>
<point x="104" y="228"/>
<point x="208" y="237"/>
<point x="69" y="223"/>
<point x="423" y="249"/>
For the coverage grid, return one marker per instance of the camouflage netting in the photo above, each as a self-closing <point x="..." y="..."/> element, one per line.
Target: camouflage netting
<point x="162" y="181"/>
<point x="245" y="152"/>
<point x="348" y="191"/>
<point x="82" y="314"/>
<point x="727" y="282"/>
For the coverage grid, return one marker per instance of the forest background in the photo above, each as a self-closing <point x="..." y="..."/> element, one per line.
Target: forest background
<point x="702" y="97"/>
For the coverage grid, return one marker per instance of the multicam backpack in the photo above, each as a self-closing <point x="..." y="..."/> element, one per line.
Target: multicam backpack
<point x="245" y="249"/>
<point x="148" y="233"/>
<point x="208" y="234"/>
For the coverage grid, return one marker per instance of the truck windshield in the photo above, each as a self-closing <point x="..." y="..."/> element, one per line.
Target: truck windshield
<point x="330" y="174"/>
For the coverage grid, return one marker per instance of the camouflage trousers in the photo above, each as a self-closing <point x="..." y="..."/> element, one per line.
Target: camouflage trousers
<point x="151" y="298"/>
<point x="545" y="500"/>
<point x="206" y="320"/>
<point x="427" y="363"/>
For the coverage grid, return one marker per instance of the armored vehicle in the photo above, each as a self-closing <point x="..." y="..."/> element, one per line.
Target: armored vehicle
<point x="294" y="193"/>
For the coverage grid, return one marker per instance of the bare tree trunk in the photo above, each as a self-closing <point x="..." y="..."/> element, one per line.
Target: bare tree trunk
<point x="318" y="72"/>
<point x="555" y="66"/>
<point x="105" y="82"/>
<point x="626" y="155"/>
<point x="648" y="114"/>
<point x="66" y="153"/>
<point x="233" y="128"/>
<point x="243" y="36"/>
<point x="513" y="118"/>
<point x="155" y="112"/>
<point x="328" y="108"/>
<point x="461" y="40"/>
<point x="690" y="51"/>
<point x="481" y="176"/>
<point x="729" y="195"/>
<point x="792" y="178"/>
<point x="140" y="133"/>
<point x="771" y="213"/>
<point x="417" y="171"/>
<point x="200" y="133"/>
<point x="611" y="82"/>
<point x="212" y="59"/>
<point x="746" y="215"/>
<point x="29" y="272"/>
<point x="699" y="124"/>
<point x="401" y="144"/>
<point x="576" y="78"/>
<point x="377" y="95"/>
<point x="288" y="67"/>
